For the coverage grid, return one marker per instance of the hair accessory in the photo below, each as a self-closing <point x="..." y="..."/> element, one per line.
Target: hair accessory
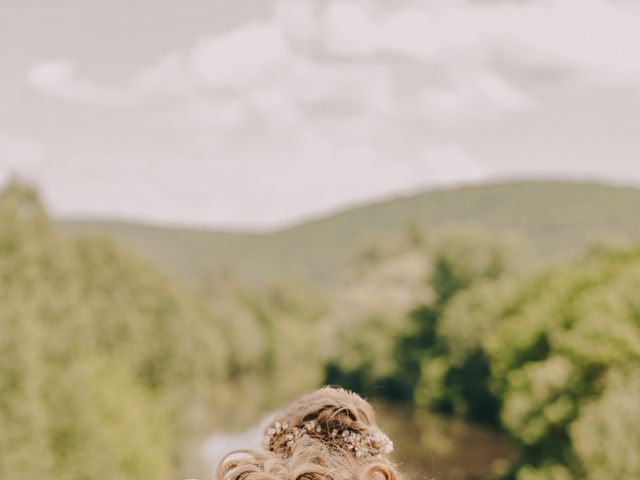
<point x="363" y="444"/>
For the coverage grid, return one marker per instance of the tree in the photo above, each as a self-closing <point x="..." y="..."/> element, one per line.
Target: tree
<point x="101" y="356"/>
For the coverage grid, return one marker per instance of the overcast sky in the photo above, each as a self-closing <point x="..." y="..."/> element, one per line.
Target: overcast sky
<point x="256" y="113"/>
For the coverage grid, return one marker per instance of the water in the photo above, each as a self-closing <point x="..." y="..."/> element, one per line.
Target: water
<point x="427" y="446"/>
<point x="432" y="446"/>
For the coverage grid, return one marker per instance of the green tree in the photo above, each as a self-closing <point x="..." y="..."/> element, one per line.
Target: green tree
<point x="102" y="358"/>
<point x="562" y="344"/>
<point x="431" y="368"/>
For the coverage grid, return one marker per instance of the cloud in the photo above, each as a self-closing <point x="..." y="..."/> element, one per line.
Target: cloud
<point x="298" y="20"/>
<point x="169" y="77"/>
<point x="269" y="67"/>
<point x="218" y="92"/>
<point x="233" y="61"/>
<point x="408" y="33"/>
<point x="241" y="58"/>
<point x="205" y="117"/>
<point x="476" y="95"/>
<point x="328" y="172"/>
<point x="333" y="101"/>
<point x="354" y="86"/>
<point x="349" y="29"/>
<point x="261" y="184"/>
<point x="600" y="44"/>
<point x="439" y="36"/>
<point x="59" y="78"/>
<point x="592" y="40"/>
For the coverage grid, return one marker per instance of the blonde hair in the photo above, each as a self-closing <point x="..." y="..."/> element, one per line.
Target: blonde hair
<point x="329" y="434"/>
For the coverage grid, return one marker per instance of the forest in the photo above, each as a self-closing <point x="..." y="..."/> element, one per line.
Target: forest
<point x="114" y="368"/>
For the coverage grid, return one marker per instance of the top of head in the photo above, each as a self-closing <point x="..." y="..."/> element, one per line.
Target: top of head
<point x="337" y="418"/>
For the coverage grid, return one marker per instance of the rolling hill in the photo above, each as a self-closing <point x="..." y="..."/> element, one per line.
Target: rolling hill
<point x="555" y="218"/>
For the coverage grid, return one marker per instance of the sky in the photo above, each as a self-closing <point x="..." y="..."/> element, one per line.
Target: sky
<point x="255" y="114"/>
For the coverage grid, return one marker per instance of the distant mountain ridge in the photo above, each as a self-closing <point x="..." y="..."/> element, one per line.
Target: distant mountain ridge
<point x="556" y="218"/>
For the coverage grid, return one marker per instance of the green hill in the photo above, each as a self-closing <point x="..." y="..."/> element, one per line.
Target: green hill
<point x="555" y="218"/>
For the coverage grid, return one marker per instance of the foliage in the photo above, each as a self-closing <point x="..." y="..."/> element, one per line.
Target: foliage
<point x="369" y="311"/>
<point x="268" y="329"/>
<point x="606" y="435"/>
<point x="389" y="325"/>
<point x="97" y="351"/>
<point x="551" y="357"/>
<point x="558" y="356"/>
<point x="439" y="376"/>
<point x="553" y="352"/>
<point x="109" y="369"/>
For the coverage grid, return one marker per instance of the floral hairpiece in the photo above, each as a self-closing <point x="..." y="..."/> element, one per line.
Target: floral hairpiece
<point x="361" y="444"/>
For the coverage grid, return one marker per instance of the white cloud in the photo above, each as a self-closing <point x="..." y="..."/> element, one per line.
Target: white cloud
<point x="59" y="78"/>
<point x="298" y="20"/>
<point x="51" y="74"/>
<point x="258" y="184"/>
<point x="206" y="117"/>
<point x="594" y="40"/>
<point x="475" y="95"/>
<point x="349" y="30"/>
<point x="440" y="36"/>
<point x="275" y="94"/>
<point x="328" y="173"/>
<point x="350" y="86"/>
<point x="235" y="61"/>
<point x="328" y="102"/>
<point x="241" y="58"/>
<point x="275" y="107"/>
<point x="168" y="77"/>
<point x="407" y="32"/>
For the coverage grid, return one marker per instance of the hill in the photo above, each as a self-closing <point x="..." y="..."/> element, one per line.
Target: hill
<point x="555" y="218"/>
